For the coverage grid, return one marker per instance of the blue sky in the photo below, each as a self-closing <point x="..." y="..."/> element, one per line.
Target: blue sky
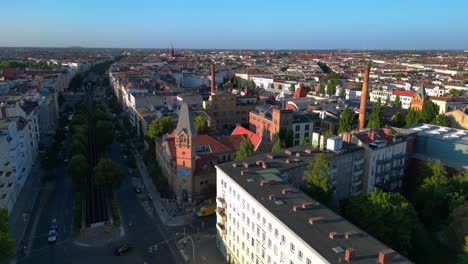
<point x="253" y="24"/>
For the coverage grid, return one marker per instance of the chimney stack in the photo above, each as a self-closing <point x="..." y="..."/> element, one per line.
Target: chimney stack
<point x="213" y="84"/>
<point x="362" y="110"/>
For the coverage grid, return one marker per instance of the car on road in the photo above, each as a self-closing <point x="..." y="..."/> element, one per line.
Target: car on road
<point x="53" y="224"/>
<point x="52" y="238"/>
<point x="138" y="189"/>
<point x="207" y="209"/>
<point x="120" y="251"/>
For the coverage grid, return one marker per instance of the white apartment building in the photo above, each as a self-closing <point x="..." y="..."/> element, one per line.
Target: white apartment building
<point x="18" y="150"/>
<point x="263" y="219"/>
<point x="262" y="82"/>
<point x="405" y="98"/>
<point x="383" y="95"/>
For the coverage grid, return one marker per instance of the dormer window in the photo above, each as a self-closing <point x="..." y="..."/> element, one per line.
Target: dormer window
<point x="182" y="139"/>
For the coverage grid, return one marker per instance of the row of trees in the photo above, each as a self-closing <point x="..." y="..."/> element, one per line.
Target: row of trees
<point x="428" y="114"/>
<point x="42" y="65"/>
<point x="7" y="245"/>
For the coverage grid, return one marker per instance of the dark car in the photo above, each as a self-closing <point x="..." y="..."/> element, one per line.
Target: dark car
<point x="120" y="251"/>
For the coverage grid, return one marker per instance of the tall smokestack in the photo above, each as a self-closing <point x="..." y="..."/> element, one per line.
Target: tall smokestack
<point x="362" y="110"/>
<point x="213" y="84"/>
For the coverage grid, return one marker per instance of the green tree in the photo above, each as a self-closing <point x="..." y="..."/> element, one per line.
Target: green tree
<point x="412" y="118"/>
<point x="321" y="89"/>
<point x="304" y="141"/>
<point x="104" y="135"/>
<point x="387" y="216"/>
<point x="454" y="93"/>
<point x="78" y="169"/>
<point x="343" y="93"/>
<point x="292" y="87"/>
<point x="301" y="85"/>
<point x="77" y="148"/>
<point x="317" y="179"/>
<point x="347" y="123"/>
<point x="235" y="82"/>
<point x="442" y="120"/>
<point x="280" y="87"/>
<point x="246" y="150"/>
<point x="279" y="145"/>
<point x="160" y="126"/>
<point x="331" y="88"/>
<point x="397" y="120"/>
<point x="375" y="119"/>
<point x="397" y="101"/>
<point x="7" y="245"/>
<point x="107" y="175"/>
<point x="429" y="112"/>
<point x="252" y="85"/>
<point x="272" y="86"/>
<point x="201" y="124"/>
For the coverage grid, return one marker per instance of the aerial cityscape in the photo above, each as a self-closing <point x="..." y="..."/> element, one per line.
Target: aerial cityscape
<point x="256" y="132"/>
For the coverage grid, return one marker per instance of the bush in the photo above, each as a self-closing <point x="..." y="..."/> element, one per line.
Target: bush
<point x="115" y="213"/>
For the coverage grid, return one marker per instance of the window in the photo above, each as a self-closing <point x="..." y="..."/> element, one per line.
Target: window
<point x="299" y="254"/>
<point x="276" y="232"/>
<point x="269" y="227"/>
<point x="308" y="261"/>
<point x="283" y="239"/>
<point x="297" y="135"/>
<point x="298" y="128"/>
<point x="292" y="247"/>
<point x="306" y="127"/>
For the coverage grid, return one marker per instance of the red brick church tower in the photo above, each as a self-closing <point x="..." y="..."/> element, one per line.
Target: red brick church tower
<point x="185" y="134"/>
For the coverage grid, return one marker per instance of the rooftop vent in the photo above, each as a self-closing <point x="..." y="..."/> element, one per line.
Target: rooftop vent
<point x="349" y="254"/>
<point x="243" y="172"/>
<point x="264" y="165"/>
<point x="270" y="156"/>
<point x="250" y="180"/>
<point x="287" y="161"/>
<point x="288" y="152"/>
<point x="352" y="234"/>
<point x="298" y="154"/>
<point x="309" y="205"/>
<point x="315" y="220"/>
<point x="308" y="151"/>
<point x="265" y="181"/>
<point x="245" y="164"/>
<point x="297" y="208"/>
<point x="272" y="197"/>
<point x="279" y="202"/>
<point x="235" y="165"/>
<point x="287" y="191"/>
<point x="259" y="162"/>
<point x="386" y="256"/>
<point x="333" y="235"/>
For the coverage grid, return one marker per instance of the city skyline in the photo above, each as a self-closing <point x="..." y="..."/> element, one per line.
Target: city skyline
<point x="260" y="25"/>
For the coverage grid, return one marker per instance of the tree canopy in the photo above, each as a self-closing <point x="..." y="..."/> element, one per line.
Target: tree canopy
<point x="412" y="118"/>
<point x="78" y="169"/>
<point x="387" y="216"/>
<point x="201" y="124"/>
<point x="7" y="245"/>
<point x="107" y="175"/>
<point x="292" y="87"/>
<point x="375" y="119"/>
<point x="321" y="88"/>
<point x="397" y="101"/>
<point x="279" y="145"/>
<point x="246" y="150"/>
<point x="442" y="120"/>
<point x="347" y="122"/>
<point x="454" y="93"/>
<point x="160" y="126"/>
<point x="429" y="112"/>
<point x="317" y="179"/>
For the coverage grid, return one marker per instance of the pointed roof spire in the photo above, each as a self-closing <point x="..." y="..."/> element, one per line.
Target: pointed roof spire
<point x="421" y="91"/>
<point x="185" y="122"/>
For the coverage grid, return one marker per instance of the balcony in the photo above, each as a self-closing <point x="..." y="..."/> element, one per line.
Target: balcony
<point x="221" y="228"/>
<point x="357" y="183"/>
<point x="358" y="162"/>
<point x="221" y="202"/>
<point x="357" y="172"/>
<point x="220" y="212"/>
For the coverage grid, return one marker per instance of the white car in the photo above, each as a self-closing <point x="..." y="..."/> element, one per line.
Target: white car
<point x="52" y="238"/>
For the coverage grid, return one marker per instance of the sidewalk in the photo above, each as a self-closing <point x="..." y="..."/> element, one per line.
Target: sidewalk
<point x="156" y="199"/>
<point x="25" y="206"/>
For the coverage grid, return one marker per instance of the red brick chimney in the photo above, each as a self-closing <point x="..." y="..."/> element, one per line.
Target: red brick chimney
<point x="386" y="256"/>
<point x="349" y="254"/>
<point x="213" y="83"/>
<point x="347" y="137"/>
<point x="362" y="110"/>
<point x="371" y="134"/>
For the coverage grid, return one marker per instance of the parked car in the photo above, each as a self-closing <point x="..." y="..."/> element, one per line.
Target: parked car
<point x="53" y="224"/>
<point x="207" y="209"/>
<point x="120" y="251"/>
<point x="52" y="238"/>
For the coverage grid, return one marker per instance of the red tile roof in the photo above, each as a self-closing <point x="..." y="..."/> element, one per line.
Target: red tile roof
<point x="403" y="93"/>
<point x="254" y="138"/>
<point x="215" y="145"/>
<point x="448" y="99"/>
